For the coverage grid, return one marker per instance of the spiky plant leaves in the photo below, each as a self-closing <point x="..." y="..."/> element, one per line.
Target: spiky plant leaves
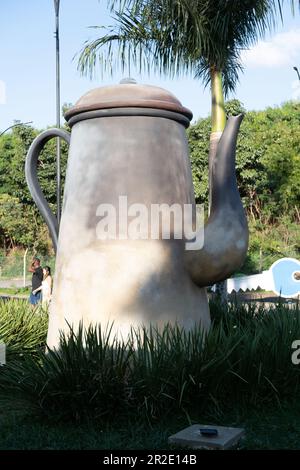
<point x="180" y="36"/>
<point x="22" y="329"/>
<point x="245" y="359"/>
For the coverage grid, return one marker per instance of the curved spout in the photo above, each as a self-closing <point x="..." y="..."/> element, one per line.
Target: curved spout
<point x="226" y="231"/>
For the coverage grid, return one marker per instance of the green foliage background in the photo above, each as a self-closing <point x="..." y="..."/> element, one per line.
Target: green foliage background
<point x="268" y="174"/>
<point x="20" y="222"/>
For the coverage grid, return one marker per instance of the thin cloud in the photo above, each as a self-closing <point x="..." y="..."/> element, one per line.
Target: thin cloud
<point x="2" y="93"/>
<point x="281" y="50"/>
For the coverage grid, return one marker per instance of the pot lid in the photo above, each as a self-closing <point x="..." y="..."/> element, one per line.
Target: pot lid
<point x="128" y="94"/>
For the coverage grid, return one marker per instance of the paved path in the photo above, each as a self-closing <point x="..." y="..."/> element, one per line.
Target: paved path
<point x="16" y="282"/>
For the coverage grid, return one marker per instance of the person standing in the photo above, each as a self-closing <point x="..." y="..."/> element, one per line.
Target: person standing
<point x="46" y="287"/>
<point x="36" y="282"/>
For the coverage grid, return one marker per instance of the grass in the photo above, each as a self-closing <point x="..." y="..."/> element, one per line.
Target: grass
<point x="246" y="357"/>
<point x="99" y="393"/>
<point x="18" y="291"/>
<point x="22" y="329"/>
<point x="274" y="427"/>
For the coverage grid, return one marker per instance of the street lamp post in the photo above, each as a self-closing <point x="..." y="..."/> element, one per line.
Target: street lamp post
<point x="297" y="71"/>
<point x="58" y="178"/>
<point x="15" y="125"/>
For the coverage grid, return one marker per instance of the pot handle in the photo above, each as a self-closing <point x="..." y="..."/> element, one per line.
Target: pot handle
<point x="32" y="179"/>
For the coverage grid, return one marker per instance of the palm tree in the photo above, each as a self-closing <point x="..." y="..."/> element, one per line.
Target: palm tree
<point x="203" y="37"/>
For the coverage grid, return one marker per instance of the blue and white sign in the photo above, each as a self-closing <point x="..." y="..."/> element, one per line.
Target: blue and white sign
<point x="283" y="278"/>
<point x="286" y="277"/>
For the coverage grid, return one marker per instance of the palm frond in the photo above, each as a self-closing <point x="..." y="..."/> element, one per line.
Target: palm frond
<point x="153" y="31"/>
<point x="179" y="36"/>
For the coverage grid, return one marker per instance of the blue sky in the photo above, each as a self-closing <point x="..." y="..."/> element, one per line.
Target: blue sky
<point x="27" y="62"/>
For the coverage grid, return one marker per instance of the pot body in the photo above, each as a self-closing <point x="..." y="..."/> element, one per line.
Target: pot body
<point x="124" y="282"/>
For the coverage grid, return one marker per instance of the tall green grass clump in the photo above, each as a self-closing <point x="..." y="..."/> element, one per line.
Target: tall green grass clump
<point x="22" y="329"/>
<point x="86" y="378"/>
<point x="260" y="369"/>
<point x="245" y="359"/>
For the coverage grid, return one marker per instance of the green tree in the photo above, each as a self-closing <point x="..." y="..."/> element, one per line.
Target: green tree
<point x="6" y="156"/>
<point x="268" y="161"/>
<point x="17" y="203"/>
<point x="204" y="37"/>
<point x="198" y="136"/>
<point x="23" y="137"/>
<point x="268" y="174"/>
<point x="20" y="226"/>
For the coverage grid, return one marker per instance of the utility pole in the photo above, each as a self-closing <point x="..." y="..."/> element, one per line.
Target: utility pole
<point x="58" y="172"/>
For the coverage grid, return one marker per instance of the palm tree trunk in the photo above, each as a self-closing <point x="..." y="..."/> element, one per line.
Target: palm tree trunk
<point x="218" y="119"/>
<point x="218" y="122"/>
<point x="218" y="116"/>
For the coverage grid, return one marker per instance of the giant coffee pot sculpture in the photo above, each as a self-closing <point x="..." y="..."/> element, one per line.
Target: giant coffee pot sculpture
<point x="130" y="140"/>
